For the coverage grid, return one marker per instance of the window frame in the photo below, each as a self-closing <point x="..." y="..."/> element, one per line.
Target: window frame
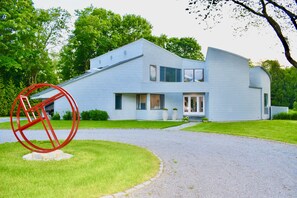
<point x="194" y="74"/>
<point x="161" y="101"/>
<point x="153" y="78"/>
<point x="138" y="102"/>
<point x="165" y="74"/>
<point x="120" y="102"/>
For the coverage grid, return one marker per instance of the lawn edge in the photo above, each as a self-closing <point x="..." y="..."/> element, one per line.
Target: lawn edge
<point x="141" y="185"/>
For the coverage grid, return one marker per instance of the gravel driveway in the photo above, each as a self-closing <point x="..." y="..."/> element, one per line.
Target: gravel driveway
<point x="207" y="165"/>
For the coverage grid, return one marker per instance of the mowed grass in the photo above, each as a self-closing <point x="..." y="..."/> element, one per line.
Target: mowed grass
<point x="278" y="130"/>
<point x="89" y="124"/>
<point x="97" y="168"/>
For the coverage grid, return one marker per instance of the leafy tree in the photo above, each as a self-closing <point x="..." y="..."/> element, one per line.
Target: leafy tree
<point x="16" y="31"/>
<point x="283" y="85"/>
<point x="278" y="14"/>
<point x="185" y="47"/>
<point x="26" y="35"/>
<point x="98" y="31"/>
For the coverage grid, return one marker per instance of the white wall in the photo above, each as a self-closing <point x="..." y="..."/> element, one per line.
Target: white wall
<point x="230" y="97"/>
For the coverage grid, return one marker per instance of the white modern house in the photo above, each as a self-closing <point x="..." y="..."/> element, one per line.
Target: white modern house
<point x="138" y="80"/>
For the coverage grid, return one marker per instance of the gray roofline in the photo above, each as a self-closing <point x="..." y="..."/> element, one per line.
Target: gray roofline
<point x="85" y="75"/>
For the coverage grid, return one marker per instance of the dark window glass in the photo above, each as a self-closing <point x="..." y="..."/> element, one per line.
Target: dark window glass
<point x="168" y="74"/>
<point x="118" y="101"/>
<point x="162" y="74"/>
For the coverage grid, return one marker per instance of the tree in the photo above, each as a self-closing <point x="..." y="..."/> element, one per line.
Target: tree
<point x="98" y="31"/>
<point x="283" y="85"/>
<point x="25" y="37"/>
<point x="280" y="15"/>
<point x="16" y="31"/>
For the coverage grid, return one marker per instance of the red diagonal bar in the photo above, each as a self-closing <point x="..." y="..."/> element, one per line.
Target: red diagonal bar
<point x="46" y="102"/>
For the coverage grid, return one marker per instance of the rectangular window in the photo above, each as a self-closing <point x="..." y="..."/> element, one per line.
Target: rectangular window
<point x="188" y="75"/>
<point x="199" y="77"/>
<point x="168" y="74"/>
<point x="193" y="75"/>
<point x="266" y="103"/>
<point x="118" y="101"/>
<point x="153" y="73"/>
<point x="157" y="101"/>
<point x="141" y="101"/>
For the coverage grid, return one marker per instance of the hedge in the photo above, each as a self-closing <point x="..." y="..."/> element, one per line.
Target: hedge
<point x="285" y="116"/>
<point x="94" y="115"/>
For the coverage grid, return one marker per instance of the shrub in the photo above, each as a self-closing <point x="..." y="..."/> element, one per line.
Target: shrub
<point x="204" y="119"/>
<point x="98" y="115"/>
<point x="67" y="115"/>
<point x="185" y="119"/>
<point x="85" y="115"/>
<point x="285" y="116"/>
<point x="56" y="116"/>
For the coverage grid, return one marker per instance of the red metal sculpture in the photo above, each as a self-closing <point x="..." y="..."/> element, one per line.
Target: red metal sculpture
<point x="37" y="114"/>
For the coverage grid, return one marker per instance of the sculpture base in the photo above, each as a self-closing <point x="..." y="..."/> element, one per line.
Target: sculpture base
<point x="55" y="155"/>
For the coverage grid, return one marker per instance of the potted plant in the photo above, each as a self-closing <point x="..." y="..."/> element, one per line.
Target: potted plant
<point x="174" y="114"/>
<point x="204" y="119"/>
<point x="165" y="114"/>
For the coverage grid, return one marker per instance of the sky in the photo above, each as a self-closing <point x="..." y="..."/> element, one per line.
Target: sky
<point x="169" y="17"/>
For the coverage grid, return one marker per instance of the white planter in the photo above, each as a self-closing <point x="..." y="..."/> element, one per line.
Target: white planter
<point x="174" y="115"/>
<point x="165" y="115"/>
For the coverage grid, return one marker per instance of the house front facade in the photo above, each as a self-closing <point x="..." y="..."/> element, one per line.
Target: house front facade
<point x="138" y="80"/>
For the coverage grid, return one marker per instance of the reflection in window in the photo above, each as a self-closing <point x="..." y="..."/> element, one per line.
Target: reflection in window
<point x="193" y="75"/>
<point x="153" y="73"/>
<point x="141" y="101"/>
<point x="189" y="75"/>
<point x="168" y="74"/>
<point x="201" y="104"/>
<point x="193" y="104"/>
<point x="157" y="101"/>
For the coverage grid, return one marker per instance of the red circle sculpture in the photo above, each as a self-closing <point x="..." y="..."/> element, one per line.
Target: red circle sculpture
<point x="37" y="114"/>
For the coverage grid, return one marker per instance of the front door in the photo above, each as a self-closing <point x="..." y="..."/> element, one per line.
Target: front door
<point x="194" y="105"/>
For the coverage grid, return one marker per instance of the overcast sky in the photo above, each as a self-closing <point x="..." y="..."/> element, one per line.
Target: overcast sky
<point x="169" y="17"/>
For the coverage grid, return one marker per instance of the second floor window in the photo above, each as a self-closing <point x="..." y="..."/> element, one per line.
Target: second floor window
<point x="153" y="73"/>
<point x="168" y="74"/>
<point x="193" y="75"/>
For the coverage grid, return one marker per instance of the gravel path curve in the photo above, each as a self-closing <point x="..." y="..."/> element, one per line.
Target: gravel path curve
<point x="206" y="165"/>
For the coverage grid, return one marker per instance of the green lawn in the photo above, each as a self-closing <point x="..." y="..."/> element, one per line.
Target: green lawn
<point x="97" y="168"/>
<point x="279" y="130"/>
<point x="123" y="124"/>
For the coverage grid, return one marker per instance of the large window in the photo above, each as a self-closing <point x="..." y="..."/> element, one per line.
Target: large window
<point x="141" y="101"/>
<point x="157" y="101"/>
<point x="193" y="75"/>
<point x="168" y="74"/>
<point x="118" y="101"/>
<point x="153" y="73"/>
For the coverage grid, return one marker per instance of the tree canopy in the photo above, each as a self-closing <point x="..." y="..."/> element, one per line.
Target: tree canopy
<point x="280" y="15"/>
<point x="98" y="31"/>
<point x="283" y="85"/>
<point x="26" y="35"/>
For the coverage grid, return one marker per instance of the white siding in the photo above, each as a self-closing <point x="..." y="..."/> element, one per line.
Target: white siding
<point x="230" y="97"/>
<point x="232" y="91"/>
